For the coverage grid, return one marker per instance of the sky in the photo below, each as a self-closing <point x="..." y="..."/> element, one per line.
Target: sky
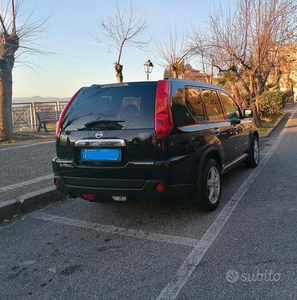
<point x="77" y="59"/>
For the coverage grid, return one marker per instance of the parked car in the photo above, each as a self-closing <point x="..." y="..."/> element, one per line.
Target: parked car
<point x="152" y="140"/>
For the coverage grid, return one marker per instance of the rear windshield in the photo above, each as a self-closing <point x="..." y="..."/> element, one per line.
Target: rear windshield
<point x="123" y="106"/>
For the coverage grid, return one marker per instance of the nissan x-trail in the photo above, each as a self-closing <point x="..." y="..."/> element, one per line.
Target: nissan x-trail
<point x="152" y="140"/>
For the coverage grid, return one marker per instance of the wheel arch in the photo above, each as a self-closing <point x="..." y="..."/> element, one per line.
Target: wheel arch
<point x="215" y="153"/>
<point x="254" y="133"/>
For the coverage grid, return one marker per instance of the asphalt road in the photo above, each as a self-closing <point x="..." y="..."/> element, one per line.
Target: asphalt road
<point x="247" y="249"/>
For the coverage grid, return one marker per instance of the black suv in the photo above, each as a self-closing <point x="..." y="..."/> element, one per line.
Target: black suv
<point x="152" y="140"/>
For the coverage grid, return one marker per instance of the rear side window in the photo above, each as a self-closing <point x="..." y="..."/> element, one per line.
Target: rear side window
<point x="126" y="106"/>
<point x="194" y="103"/>
<point x="213" y="105"/>
<point x="180" y="110"/>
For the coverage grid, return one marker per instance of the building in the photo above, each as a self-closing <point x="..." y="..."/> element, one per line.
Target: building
<point x="195" y="75"/>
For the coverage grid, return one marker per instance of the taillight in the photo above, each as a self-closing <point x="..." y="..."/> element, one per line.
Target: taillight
<point x="57" y="183"/>
<point x="159" y="187"/>
<point x="89" y="197"/>
<point x="62" y="115"/>
<point x="163" y="116"/>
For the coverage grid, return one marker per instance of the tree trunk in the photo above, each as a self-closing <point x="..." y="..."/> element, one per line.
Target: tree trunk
<point x="256" y="112"/>
<point x="6" y="129"/>
<point x="119" y="72"/>
<point x="119" y="77"/>
<point x="255" y="100"/>
<point x="237" y="95"/>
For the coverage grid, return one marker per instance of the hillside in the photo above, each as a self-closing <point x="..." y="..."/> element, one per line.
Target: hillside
<point x="37" y="99"/>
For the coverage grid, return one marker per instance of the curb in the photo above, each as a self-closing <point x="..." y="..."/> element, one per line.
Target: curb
<point x="29" y="202"/>
<point x="274" y="127"/>
<point x="278" y="122"/>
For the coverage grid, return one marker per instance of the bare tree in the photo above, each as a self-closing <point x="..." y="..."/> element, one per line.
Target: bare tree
<point x="247" y="41"/>
<point x="172" y="51"/>
<point x="122" y="29"/>
<point x="204" y="53"/>
<point x="12" y="38"/>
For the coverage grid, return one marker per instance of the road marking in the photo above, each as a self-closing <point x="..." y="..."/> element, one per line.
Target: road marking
<point x="25" y="146"/>
<point x="156" y="237"/>
<point x="174" y="287"/>
<point x="24" y="183"/>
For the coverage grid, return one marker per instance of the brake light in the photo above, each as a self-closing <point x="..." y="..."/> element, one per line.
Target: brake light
<point x="62" y="115"/>
<point x="163" y="116"/>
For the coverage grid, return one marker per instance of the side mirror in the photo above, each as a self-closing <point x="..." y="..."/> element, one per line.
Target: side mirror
<point x="248" y="113"/>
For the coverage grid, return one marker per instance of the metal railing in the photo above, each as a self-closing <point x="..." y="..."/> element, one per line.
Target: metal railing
<point x="24" y="114"/>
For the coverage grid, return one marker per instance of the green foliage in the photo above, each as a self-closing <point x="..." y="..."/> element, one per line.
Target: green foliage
<point x="181" y="70"/>
<point x="288" y="96"/>
<point x="226" y="79"/>
<point x="272" y="102"/>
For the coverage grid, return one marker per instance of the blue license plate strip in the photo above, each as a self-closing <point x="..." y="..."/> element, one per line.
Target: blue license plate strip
<point x="103" y="154"/>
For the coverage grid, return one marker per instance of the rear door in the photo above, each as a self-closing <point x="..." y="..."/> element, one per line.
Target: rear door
<point x="217" y="122"/>
<point x="108" y="134"/>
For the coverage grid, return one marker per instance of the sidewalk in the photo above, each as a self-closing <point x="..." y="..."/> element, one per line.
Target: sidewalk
<point x="26" y="176"/>
<point x="26" y="181"/>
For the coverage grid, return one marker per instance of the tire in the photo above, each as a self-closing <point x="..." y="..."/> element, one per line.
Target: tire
<point x="209" y="187"/>
<point x="254" y="153"/>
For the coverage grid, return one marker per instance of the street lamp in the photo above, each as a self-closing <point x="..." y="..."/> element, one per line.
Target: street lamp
<point x="148" y="68"/>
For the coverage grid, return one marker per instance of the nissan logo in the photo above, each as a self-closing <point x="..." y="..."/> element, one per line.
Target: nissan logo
<point x="98" y="135"/>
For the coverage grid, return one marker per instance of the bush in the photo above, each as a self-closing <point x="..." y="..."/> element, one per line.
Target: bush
<point x="272" y="103"/>
<point x="288" y="96"/>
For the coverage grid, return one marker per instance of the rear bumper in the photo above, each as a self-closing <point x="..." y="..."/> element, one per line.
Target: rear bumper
<point x="176" y="176"/>
<point x="146" y="192"/>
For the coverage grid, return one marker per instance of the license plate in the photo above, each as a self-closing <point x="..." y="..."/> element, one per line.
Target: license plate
<point x="101" y="154"/>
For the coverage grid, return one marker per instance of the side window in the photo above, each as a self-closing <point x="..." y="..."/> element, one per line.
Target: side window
<point x="213" y="105"/>
<point x="230" y="106"/>
<point x="180" y="111"/>
<point x="194" y="103"/>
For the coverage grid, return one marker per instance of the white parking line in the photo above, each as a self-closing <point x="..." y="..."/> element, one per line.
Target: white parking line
<point x="157" y="237"/>
<point x="25" y="146"/>
<point x="174" y="287"/>
<point x="24" y="183"/>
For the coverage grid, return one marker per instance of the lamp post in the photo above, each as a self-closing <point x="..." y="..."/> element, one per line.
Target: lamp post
<point x="148" y="68"/>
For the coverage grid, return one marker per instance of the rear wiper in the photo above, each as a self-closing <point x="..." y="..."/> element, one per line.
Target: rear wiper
<point x="104" y="125"/>
<point x="103" y="122"/>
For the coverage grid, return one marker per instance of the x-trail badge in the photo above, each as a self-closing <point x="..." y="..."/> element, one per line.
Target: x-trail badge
<point x="98" y="135"/>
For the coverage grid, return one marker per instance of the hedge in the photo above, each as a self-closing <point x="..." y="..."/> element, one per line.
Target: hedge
<point x="272" y="103"/>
